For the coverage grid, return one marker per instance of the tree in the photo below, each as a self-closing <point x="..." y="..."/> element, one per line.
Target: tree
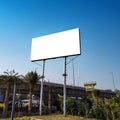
<point x="71" y="105"/>
<point x="112" y="106"/>
<point x="95" y="94"/>
<point x="50" y="89"/>
<point x="8" y="79"/>
<point x="32" y="78"/>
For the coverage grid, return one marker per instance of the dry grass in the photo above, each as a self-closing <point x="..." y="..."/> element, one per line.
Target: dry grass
<point x="59" y="117"/>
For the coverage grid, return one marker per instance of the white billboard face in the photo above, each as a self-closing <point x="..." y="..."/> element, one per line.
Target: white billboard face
<point x="56" y="45"/>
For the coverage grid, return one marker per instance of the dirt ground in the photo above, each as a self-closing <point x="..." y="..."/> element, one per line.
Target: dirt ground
<point x="58" y="117"/>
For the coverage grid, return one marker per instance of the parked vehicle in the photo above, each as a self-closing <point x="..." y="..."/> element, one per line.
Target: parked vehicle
<point x="25" y="103"/>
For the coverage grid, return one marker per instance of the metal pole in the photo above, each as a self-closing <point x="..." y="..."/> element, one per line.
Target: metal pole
<point x="13" y="102"/>
<point x="41" y="90"/>
<point x="73" y="73"/>
<point x="64" y="89"/>
<point x="113" y="80"/>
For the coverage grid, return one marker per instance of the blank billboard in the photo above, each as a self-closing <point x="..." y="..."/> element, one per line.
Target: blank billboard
<point x="56" y="45"/>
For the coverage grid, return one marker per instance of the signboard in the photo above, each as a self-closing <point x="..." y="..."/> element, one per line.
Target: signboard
<point x="66" y="43"/>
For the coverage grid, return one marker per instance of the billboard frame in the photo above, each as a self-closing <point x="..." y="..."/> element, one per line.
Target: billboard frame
<point x="75" y="42"/>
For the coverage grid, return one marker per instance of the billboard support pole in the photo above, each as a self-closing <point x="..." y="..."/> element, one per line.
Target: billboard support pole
<point x="64" y="89"/>
<point x="41" y="90"/>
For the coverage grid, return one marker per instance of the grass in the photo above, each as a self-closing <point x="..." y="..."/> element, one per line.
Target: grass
<point x="17" y="118"/>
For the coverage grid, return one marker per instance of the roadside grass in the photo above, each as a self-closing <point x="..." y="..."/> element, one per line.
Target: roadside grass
<point x="17" y="118"/>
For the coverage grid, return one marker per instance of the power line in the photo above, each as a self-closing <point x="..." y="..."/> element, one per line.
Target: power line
<point x="37" y="64"/>
<point x="71" y="60"/>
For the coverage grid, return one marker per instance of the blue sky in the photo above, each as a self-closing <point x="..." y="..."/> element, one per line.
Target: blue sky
<point x="99" y="23"/>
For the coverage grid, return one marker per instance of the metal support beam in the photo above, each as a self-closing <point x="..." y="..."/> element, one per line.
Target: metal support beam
<point x="64" y="89"/>
<point x="41" y="89"/>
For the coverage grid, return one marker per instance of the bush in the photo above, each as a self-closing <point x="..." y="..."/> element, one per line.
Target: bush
<point x="71" y="106"/>
<point x="102" y="109"/>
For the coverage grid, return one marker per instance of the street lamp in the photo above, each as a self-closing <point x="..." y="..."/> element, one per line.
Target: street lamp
<point x="113" y="80"/>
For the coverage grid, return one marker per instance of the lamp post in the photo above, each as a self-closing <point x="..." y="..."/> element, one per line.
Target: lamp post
<point x="113" y="80"/>
<point x="73" y="73"/>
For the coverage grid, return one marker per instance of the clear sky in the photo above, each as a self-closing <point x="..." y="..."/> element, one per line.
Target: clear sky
<point x="99" y="23"/>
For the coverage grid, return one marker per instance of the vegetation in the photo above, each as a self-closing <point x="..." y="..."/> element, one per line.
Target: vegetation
<point x="9" y="78"/>
<point x="17" y="118"/>
<point x="50" y="90"/>
<point x="32" y="78"/>
<point x="94" y="107"/>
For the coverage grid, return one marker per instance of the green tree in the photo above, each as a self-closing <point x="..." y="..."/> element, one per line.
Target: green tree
<point x="95" y="94"/>
<point x="112" y="106"/>
<point x="8" y="79"/>
<point x="32" y="78"/>
<point x="71" y="105"/>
